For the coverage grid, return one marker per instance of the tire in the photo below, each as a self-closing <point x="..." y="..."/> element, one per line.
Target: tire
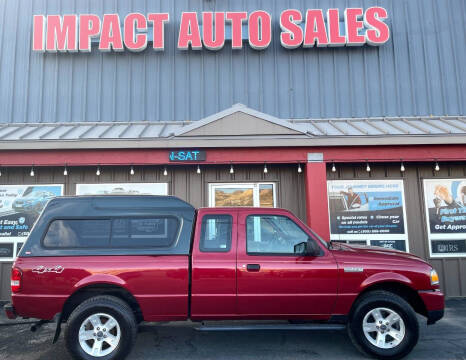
<point x="96" y="312"/>
<point x="386" y="307"/>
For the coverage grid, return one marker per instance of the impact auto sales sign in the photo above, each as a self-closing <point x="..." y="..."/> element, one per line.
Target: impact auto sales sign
<point x="207" y="30"/>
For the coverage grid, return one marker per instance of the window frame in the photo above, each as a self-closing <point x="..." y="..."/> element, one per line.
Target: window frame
<point x="219" y="250"/>
<point x="255" y="186"/>
<point x="310" y="237"/>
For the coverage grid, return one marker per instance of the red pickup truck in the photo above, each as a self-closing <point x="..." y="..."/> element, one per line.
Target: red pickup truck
<point x="102" y="264"/>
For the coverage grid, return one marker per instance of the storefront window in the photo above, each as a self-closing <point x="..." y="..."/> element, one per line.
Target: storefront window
<point x="368" y="212"/>
<point x="266" y="195"/>
<point x="445" y="211"/>
<point x="251" y="194"/>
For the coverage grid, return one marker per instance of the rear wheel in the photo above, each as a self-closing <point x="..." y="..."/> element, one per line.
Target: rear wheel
<point x="383" y="325"/>
<point x="102" y="327"/>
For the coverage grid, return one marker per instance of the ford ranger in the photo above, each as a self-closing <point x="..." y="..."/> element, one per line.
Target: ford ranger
<point x="103" y="264"/>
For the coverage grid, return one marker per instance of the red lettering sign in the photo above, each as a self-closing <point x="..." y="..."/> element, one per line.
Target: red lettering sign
<point x="71" y="33"/>
<point x="292" y="34"/>
<point x="189" y="32"/>
<point x="260" y="30"/>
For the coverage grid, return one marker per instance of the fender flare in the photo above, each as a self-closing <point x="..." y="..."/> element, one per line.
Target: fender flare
<point x="96" y="279"/>
<point x="386" y="276"/>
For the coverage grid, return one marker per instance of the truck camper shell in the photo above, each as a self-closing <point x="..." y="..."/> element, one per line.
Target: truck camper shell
<point x="112" y="225"/>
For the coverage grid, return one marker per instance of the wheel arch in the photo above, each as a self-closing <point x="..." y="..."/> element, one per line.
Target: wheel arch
<point x="91" y="290"/>
<point x="402" y="289"/>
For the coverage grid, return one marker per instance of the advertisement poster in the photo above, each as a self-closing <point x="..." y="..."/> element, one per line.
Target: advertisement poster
<point x="20" y="206"/>
<point x="370" y="211"/>
<point x="445" y="204"/>
<point x="122" y="189"/>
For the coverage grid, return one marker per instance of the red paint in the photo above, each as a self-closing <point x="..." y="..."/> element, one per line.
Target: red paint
<point x="189" y="34"/>
<point x="292" y="34"/>
<point x="167" y="300"/>
<point x="213" y="292"/>
<point x="434" y="300"/>
<point x="111" y="34"/>
<point x="213" y="33"/>
<point x="316" y="199"/>
<point x="381" y="266"/>
<point x="260" y="29"/>
<point x="315" y="31"/>
<point x="236" y="19"/>
<point x="89" y="27"/>
<point x="378" y="32"/>
<point x="333" y="24"/>
<point x="285" y="287"/>
<point x="158" y="22"/>
<point x="354" y="23"/>
<point x="353" y="154"/>
<point x="135" y="24"/>
<point x="62" y="33"/>
<point x="38" y="39"/>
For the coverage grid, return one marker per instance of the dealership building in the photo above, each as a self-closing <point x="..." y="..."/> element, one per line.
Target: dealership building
<point x="352" y="117"/>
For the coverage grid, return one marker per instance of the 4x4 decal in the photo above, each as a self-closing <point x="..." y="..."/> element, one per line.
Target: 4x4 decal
<point x="43" y="269"/>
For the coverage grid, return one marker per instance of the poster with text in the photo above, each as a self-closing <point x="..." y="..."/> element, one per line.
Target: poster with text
<point x="122" y="189"/>
<point x="20" y="206"/>
<point x="445" y="205"/>
<point x="370" y="211"/>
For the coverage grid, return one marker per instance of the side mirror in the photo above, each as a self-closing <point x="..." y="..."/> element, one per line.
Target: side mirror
<point x="300" y="249"/>
<point x="308" y="248"/>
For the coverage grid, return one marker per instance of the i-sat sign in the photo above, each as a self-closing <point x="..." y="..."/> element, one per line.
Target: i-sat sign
<point x="187" y="155"/>
<point x="72" y="33"/>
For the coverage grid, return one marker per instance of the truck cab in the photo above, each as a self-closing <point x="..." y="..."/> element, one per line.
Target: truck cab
<point x="244" y="265"/>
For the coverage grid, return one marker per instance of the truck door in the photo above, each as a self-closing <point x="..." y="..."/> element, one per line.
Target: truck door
<point x="213" y="282"/>
<point x="273" y="282"/>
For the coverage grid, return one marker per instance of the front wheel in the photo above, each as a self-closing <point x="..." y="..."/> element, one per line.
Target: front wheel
<point x="102" y="327"/>
<point x="383" y="325"/>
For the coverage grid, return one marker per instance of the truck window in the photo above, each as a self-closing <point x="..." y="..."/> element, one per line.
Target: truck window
<point x="113" y="233"/>
<point x="270" y="234"/>
<point x="216" y="233"/>
<point x="158" y="231"/>
<point x="78" y="234"/>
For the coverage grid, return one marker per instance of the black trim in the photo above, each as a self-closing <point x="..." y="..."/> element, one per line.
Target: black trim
<point x="58" y="318"/>
<point x="338" y="319"/>
<point x="434" y="315"/>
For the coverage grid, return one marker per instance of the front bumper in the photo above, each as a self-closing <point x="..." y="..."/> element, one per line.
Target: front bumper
<point x="10" y="311"/>
<point x="434" y="301"/>
<point x="434" y="315"/>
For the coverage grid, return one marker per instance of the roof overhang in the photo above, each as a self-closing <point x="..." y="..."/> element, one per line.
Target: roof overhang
<point x="238" y="126"/>
<point x="232" y="142"/>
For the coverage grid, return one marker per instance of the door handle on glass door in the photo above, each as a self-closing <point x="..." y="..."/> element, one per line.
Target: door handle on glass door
<point x="253" y="267"/>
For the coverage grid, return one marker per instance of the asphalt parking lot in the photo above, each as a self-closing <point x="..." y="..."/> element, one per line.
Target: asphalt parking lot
<point x="444" y="340"/>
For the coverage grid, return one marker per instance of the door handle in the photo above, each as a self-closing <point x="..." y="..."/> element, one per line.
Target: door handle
<point x="253" y="267"/>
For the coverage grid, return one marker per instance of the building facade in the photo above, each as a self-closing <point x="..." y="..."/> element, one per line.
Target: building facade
<point x="349" y="113"/>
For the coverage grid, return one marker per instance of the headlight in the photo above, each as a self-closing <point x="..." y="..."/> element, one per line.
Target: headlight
<point x="434" y="277"/>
